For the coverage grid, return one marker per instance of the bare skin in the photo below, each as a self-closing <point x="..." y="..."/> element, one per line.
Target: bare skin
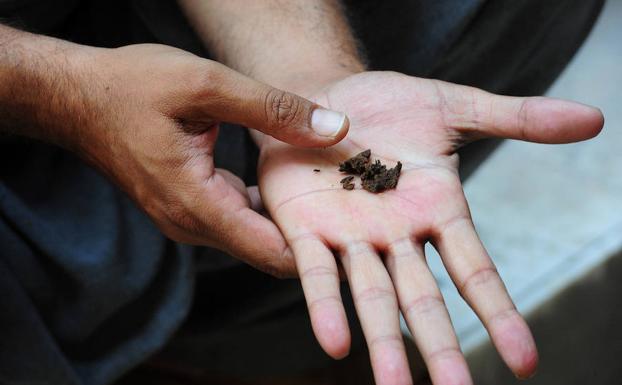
<point x="379" y="238"/>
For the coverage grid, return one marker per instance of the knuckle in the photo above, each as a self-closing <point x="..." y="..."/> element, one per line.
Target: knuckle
<point x="502" y="315"/>
<point x="424" y="304"/>
<point x="282" y="108"/>
<point x="359" y="251"/>
<point x="445" y="353"/>
<point x="326" y="300"/>
<point x="207" y="81"/>
<point x="480" y="277"/>
<point x="462" y="220"/>
<point x="319" y="272"/>
<point x="374" y="293"/>
<point x="522" y="119"/>
<point x="389" y="339"/>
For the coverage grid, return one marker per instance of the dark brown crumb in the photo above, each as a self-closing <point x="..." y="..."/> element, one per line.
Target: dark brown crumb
<point x="375" y="177"/>
<point x="347" y="182"/>
<point x="316" y="170"/>
<point x="380" y="178"/>
<point x="357" y="164"/>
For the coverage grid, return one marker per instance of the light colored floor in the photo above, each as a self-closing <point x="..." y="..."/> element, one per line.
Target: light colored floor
<point x="549" y="214"/>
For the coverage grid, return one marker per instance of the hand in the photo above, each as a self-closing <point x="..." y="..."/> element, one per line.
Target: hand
<point x="379" y="238"/>
<point x="153" y="121"/>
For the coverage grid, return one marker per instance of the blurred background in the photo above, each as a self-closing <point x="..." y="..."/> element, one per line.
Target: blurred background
<point x="551" y="217"/>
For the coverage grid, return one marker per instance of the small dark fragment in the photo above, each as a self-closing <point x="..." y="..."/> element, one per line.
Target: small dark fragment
<point x="316" y="170"/>
<point x="347" y="182"/>
<point x="357" y="164"/>
<point x="375" y="177"/>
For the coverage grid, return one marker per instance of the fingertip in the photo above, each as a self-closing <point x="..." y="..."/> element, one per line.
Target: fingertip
<point x="330" y="126"/>
<point x="332" y="332"/>
<point x="343" y="131"/>
<point x="597" y="121"/>
<point x="529" y="366"/>
<point x="516" y="345"/>
<point x="339" y="348"/>
<point x="589" y="120"/>
<point x="528" y="361"/>
<point x="564" y="121"/>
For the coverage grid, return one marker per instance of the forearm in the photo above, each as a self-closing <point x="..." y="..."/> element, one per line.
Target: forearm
<point x="42" y="93"/>
<point x="289" y="44"/>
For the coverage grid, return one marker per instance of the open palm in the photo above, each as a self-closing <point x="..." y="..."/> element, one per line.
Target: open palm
<point x="379" y="238"/>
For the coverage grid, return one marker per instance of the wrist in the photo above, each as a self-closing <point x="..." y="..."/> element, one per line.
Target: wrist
<point x="309" y="83"/>
<point x="298" y="45"/>
<point x="305" y="75"/>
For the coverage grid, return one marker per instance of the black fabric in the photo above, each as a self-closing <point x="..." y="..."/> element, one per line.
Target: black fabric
<point x="38" y="16"/>
<point x="90" y="275"/>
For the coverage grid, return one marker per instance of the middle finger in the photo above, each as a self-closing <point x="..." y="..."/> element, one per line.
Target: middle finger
<point x="376" y="305"/>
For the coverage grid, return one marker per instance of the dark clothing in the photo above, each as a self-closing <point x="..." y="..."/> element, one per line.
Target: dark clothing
<point x="90" y="288"/>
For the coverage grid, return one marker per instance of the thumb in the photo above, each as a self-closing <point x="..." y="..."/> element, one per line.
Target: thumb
<point x="533" y="119"/>
<point x="235" y="98"/>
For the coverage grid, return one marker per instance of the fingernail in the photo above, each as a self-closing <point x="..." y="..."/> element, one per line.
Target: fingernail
<point x="326" y="122"/>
